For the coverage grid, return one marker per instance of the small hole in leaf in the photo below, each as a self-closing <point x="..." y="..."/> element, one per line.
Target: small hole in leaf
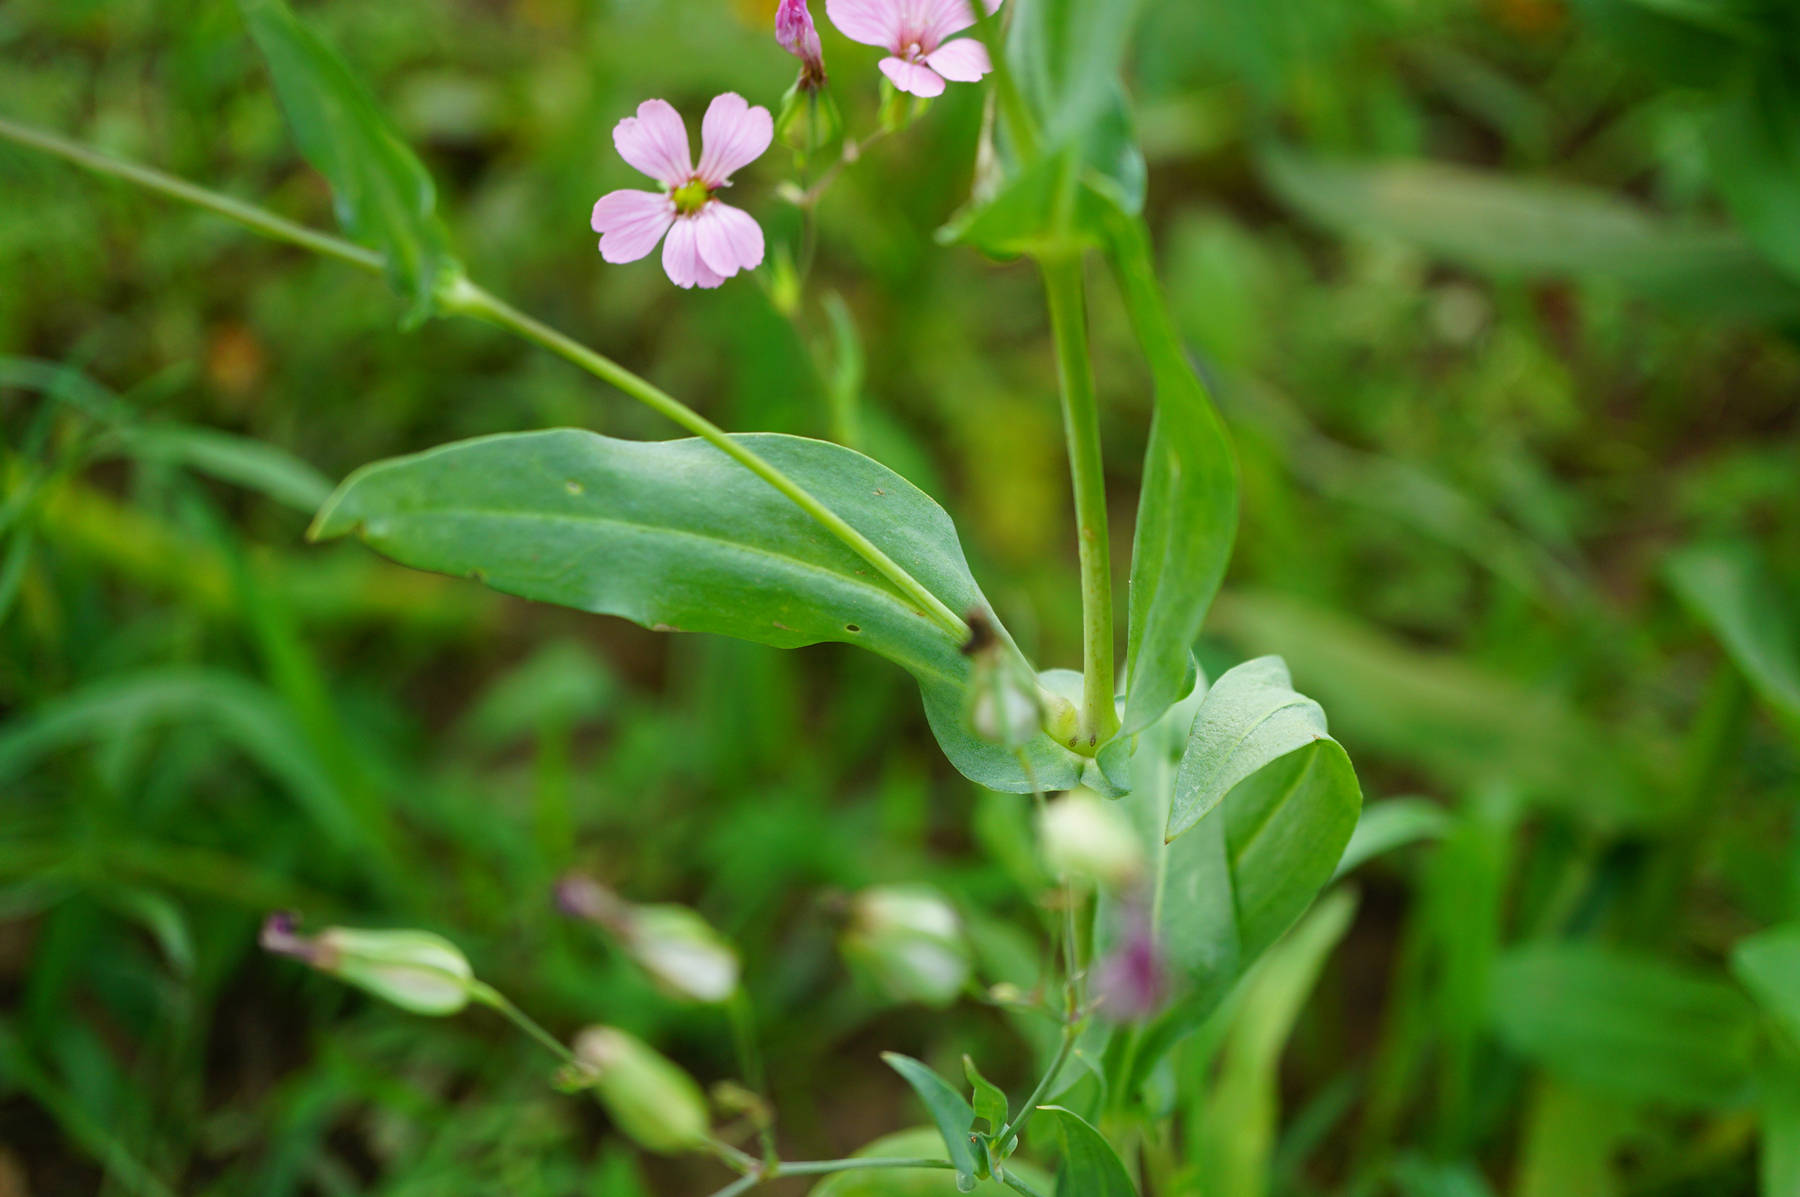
<point x="850" y="627"/>
<point x="573" y="486"/>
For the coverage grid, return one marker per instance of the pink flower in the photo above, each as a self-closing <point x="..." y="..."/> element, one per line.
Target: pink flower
<point x="795" y="33"/>
<point x="709" y="241"/>
<point x="913" y="33"/>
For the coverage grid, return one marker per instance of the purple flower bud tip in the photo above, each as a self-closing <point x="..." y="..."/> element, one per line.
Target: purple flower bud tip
<point x="795" y="32"/>
<point x="584" y="898"/>
<point x="281" y="935"/>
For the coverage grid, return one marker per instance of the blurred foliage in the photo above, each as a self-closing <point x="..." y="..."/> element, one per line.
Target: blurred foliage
<point x="1499" y="299"/>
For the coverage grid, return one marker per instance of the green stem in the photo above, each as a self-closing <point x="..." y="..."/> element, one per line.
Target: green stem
<point x="751" y="1180"/>
<point x="1081" y="422"/>
<point x="852" y="1164"/>
<point x="743" y="1037"/>
<point x="465" y="298"/>
<point x="1006" y="88"/>
<point x="742" y="1184"/>
<point x="1071" y="1031"/>
<point x="249" y="215"/>
<point x="470" y="300"/>
<point x="1018" y="1186"/>
<point x="492" y="998"/>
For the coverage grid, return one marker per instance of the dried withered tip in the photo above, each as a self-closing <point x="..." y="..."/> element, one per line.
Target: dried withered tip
<point x="982" y="635"/>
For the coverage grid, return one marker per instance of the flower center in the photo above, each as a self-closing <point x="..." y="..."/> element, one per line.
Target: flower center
<point x="691" y="196"/>
<point x="914" y="52"/>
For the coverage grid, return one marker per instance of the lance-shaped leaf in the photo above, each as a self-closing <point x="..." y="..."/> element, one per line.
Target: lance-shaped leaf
<point x="383" y="194"/>
<point x="1729" y="587"/>
<point x="676" y="536"/>
<point x="1533" y="229"/>
<point x="1625" y="1023"/>
<point x="1768" y="965"/>
<point x="1755" y="144"/>
<point x="1187" y="510"/>
<point x="953" y="1117"/>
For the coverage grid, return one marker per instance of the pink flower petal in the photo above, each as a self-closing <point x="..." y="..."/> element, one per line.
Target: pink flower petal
<point x="964" y="60"/>
<point x="655" y="141"/>
<point x="941" y="18"/>
<point x="795" y="33"/>
<point x="631" y="222"/>
<point x="706" y="278"/>
<point x="913" y="77"/>
<point x="871" y="22"/>
<point x="681" y="257"/>
<point x="729" y="239"/>
<point x="732" y="136"/>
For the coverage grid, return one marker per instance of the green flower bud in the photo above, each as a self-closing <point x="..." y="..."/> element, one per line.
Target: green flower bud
<point x="908" y="941"/>
<point x="648" y="1095"/>
<point x="1085" y="836"/>
<point x="415" y="970"/>
<point x="682" y="953"/>
<point x="809" y="122"/>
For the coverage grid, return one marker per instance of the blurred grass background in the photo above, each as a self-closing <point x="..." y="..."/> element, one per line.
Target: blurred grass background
<point x="1520" y="440"/>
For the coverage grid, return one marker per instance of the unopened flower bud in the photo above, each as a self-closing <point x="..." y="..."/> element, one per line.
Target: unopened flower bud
<point x="682" y="953"/>
<point x="1085" y="836"/>
<point x="648" y="1095"/>
<point x="1131" y="979"/>
<point x="809" y="121"/>
<point x="909" y="941"/>
<point x="584" y="898"/>
<point x="415" y="970"/>
<point x="795" y="32"/>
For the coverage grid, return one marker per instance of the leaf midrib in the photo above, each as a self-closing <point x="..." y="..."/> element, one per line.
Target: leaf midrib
<point x="885" y="593"/>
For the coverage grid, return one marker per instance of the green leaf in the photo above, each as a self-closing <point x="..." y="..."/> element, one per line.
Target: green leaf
<point x="1780" y="1125"/>
<point x="1459" y="723"/>
<point x="953" y="1117"/>
<point x="1768" y="965"/>
<point x="1293" y="794"/>
<point x="676" y="536"/>
<point x="1755" y="146"/>
<point x="1570" y="1141"/>
<point x="1385" y="826"/>
<point x="1187" y="509"/>
<point x="241" y="461"/>
<point x="1016" y="207"/>
<point x="1232" y="883"/>
<point x="1241" y="1114"/>
<point x="384" y="196"/>
<point x="921" y="1142"/>
<point x="1066" y="55"/>
<point x="1624" y="1023"/>
<point x="1088" y="167"/>
<point x="1533" y="229"/>
<point x="990" y="1099"/>
<point x="244" y="714"/>
<point x="1090" y="1167"/>
<point x="1685" y="41"/>
<point x="1729" y="587"/>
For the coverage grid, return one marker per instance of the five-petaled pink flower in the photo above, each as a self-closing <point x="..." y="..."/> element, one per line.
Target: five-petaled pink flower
<point x="913" y="33"/>
<point x="709" y="240"/>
